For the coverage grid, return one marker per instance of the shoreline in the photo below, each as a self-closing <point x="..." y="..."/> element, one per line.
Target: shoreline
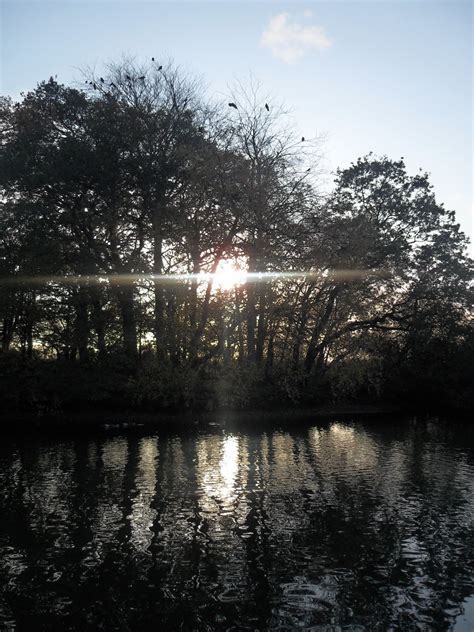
<point x="128" y="420"/>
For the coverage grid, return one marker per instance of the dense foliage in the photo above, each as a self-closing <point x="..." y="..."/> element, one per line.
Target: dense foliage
<point x="106" y="190"/>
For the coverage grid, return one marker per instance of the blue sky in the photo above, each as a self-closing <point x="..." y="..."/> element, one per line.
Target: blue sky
<point x="394" y="78"/>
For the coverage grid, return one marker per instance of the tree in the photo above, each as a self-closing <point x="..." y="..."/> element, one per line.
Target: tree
<point x="109" y="192"/>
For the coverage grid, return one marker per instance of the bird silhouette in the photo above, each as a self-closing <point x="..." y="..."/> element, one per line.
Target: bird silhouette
<point x="308" y="169"/>
<point x="142" y="78"/>
<point x="94" y="86"/>
<point x="232" y="105"/>
<point x="152" y="59"/>
<point x="303" y="139"/>
<point x="101" y="80"/>
<point x="160" y="67"/>
<point x="128" y="78"/>
<point x="266" y="107"/>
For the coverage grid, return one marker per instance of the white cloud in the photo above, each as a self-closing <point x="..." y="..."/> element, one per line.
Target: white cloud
<point x="289" y="40"/>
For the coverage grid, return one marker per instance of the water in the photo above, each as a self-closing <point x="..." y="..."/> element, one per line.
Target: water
<point x="331" y="527"/>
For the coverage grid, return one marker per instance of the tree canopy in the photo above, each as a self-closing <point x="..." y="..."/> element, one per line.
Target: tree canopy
<point x="123" y="199"/>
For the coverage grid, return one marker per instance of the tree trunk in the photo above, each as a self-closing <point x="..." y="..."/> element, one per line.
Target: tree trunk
<point x="270" y="356"/>
<point x="319" y="328"/>
<point x="29" y="339"/>
<point x="81" y="324"/>
<point x="8" y="330"/>
<point x="300" y="329"/>
<point x="30" y="317"/>
<point x="251" y="312"/>
<point x="99" y="325"/>
<point x="125" y="300"/>
<point x="129" y="322"/>
<point x="194" y="285"/>
<point x="238" y="316"/>
<point x="205" y="306"/>
<point x="261" y="327"/>
<point x="171" y="309"/>
<point x="159" y="322"/>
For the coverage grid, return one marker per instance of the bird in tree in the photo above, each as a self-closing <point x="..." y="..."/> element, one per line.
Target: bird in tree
<point x="266" y="107"/>
<point x="232" y="105"/>
<point x="101" y="80"/>
<point x="152" y="59"/>
<point x="160" y="67"/>
<point x="128" y="78"/>
<point x="94" y="85"/>
<point x="303" y="139"/>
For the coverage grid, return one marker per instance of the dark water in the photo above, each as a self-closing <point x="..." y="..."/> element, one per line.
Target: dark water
<point x="326" y="527"/>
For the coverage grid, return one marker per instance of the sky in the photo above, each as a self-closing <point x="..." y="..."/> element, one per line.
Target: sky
<point x="391" y="77"/>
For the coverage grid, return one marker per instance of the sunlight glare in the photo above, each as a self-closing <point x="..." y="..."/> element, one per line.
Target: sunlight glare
<point x="228" y="275"/>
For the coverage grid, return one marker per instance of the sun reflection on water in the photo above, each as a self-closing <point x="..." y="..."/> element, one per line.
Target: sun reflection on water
<point x="218" y="466"/>
<point x="229" y="464"/>
<point x="142" y="514"/>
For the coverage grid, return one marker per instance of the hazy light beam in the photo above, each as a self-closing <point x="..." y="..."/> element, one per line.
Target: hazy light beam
<point x="241" y="277"/>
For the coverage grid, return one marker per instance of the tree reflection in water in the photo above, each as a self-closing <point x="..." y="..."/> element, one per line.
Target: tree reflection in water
<point x="364" y="526"/>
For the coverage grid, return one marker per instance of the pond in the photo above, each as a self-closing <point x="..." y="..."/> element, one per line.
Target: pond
<point x="329" y="526"/>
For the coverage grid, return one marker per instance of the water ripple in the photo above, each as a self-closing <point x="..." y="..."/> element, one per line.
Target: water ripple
<point x="331" y="527"/>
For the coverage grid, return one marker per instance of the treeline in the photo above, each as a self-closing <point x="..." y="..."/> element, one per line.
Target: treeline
<point x="109" y="188"/>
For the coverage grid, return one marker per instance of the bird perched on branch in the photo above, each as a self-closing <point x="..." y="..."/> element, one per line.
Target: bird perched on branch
<point x="266" y="107"/>
<point x="303" y="139"/>
<point x="101" y="80"/>
<point x="232" y="105"/>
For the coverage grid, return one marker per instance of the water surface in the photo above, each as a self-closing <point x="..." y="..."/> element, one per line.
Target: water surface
<point x="336" y="526"/>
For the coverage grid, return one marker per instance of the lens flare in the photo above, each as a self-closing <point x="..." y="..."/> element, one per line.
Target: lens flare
<point x="225" y="277"/>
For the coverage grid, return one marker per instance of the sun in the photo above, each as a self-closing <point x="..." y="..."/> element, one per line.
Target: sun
<point x="229" y="275"/>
